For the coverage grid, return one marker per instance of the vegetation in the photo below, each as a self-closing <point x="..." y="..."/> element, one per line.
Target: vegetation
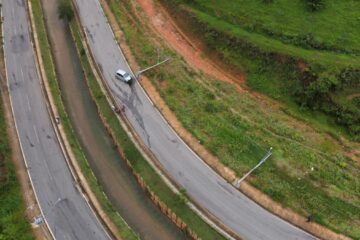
<point x="310" y="50"/>
<point x="46" y="55"/>
<point x="65" y="10"/>
<point x="309" y="171"/>
<point x="13" y="223"/>
<point x="176" y="202"/>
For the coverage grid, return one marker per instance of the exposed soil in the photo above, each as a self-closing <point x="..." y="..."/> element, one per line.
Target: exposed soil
<point x="354" y="155"/>
<point x="192" y="54"/>
<point x="352" y="96"/>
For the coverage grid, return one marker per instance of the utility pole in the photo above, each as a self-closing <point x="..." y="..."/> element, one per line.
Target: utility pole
<point x="237" y="183"/>
<point x="151" y="67"/>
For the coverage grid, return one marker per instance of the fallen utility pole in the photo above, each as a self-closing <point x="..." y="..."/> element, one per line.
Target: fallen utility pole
<point x="237" y="183"/>
<point x="151" y="67"/>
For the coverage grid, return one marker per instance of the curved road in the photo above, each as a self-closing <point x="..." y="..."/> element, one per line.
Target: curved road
<point x="66" y="211"/>
<point x="202" y="184"/>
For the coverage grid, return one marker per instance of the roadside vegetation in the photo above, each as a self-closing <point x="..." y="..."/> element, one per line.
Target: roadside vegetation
<point x="310" y="171"/>
<point x="13" y="223"/>
<point x="304" y="52"/>
<point x="46" y="55"/>
<point x="176" y="202"/>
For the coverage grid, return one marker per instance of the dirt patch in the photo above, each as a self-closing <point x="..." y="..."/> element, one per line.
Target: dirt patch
<point x="354" y="155"/>
<point x="352" y="96"/>
<point x="168" y="30"/>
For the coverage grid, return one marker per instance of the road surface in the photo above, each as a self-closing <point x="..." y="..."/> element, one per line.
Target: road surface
<point x="202" y="184"/>
<point x="66" y="211"/>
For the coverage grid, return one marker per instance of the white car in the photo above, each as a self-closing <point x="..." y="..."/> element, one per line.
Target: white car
<point x="123" y="76"/>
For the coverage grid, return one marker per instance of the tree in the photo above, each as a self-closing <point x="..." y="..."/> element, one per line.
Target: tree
<point x="65" y="10"/>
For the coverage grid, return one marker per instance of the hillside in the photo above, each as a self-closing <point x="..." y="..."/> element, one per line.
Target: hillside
<point x="314" y="168"/>
<point x="305" y="52"/>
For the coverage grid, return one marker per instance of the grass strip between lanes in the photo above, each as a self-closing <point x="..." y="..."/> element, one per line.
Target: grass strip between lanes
<point x="46" y="55"/>
<point x="176" y="202"/>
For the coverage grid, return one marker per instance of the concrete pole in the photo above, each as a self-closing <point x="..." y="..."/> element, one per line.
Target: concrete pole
<point x="151" y="67"/>
<point x="238" y="182"/>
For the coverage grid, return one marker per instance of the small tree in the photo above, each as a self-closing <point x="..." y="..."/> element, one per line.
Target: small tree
<point x="65" y="10"/>
<point x="315" y="5"/>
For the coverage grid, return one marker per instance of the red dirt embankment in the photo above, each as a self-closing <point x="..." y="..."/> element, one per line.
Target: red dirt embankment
<point x="188" y="49"/>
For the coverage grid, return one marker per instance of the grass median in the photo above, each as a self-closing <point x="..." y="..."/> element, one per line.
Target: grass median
<point x="175" y="202"/>
<point x="309" y="172"/>
<point x="46" y="55"/>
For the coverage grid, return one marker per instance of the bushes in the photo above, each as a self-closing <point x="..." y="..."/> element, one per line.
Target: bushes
<point x="318" y="92"/>
<point x="65" y="10"/>
<point x="315" y="5"/>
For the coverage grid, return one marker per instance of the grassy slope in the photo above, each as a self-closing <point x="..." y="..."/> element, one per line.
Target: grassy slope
<point x="13" y="224"/>
<point x="239" y="129"/>
<point x="175" y="202"/>
<point x="337" y="25"/>
<point x="257" y="37"/>
<point x="124" y="229"/>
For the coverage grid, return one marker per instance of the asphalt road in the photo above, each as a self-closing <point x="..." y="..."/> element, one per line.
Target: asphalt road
<point x="202" y="184"/>
<point x="66" y="211"/>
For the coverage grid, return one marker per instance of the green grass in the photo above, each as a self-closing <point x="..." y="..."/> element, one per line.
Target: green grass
<point x="174" y="201"/>
<point x="337" y="25"/>
<point x="268" y="41"/>
<point x="274" y="45"/>
<point x="46" y="55"/>
<point x="13" y="223"/>
<point x="239" y="128"/>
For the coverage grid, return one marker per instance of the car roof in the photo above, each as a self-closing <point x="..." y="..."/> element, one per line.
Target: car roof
<point x="120" y="71"/>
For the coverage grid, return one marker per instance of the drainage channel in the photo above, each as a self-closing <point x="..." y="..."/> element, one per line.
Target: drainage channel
<point x="111" y="171"/>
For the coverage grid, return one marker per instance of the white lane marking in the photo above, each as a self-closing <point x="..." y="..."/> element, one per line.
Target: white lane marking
<point x="28" y="103"/>
<point x="36" y="134"/>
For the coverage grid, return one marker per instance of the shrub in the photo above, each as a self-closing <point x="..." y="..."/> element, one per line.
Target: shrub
<point x="315" y="5"/>
<point x="65" y="10"/>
